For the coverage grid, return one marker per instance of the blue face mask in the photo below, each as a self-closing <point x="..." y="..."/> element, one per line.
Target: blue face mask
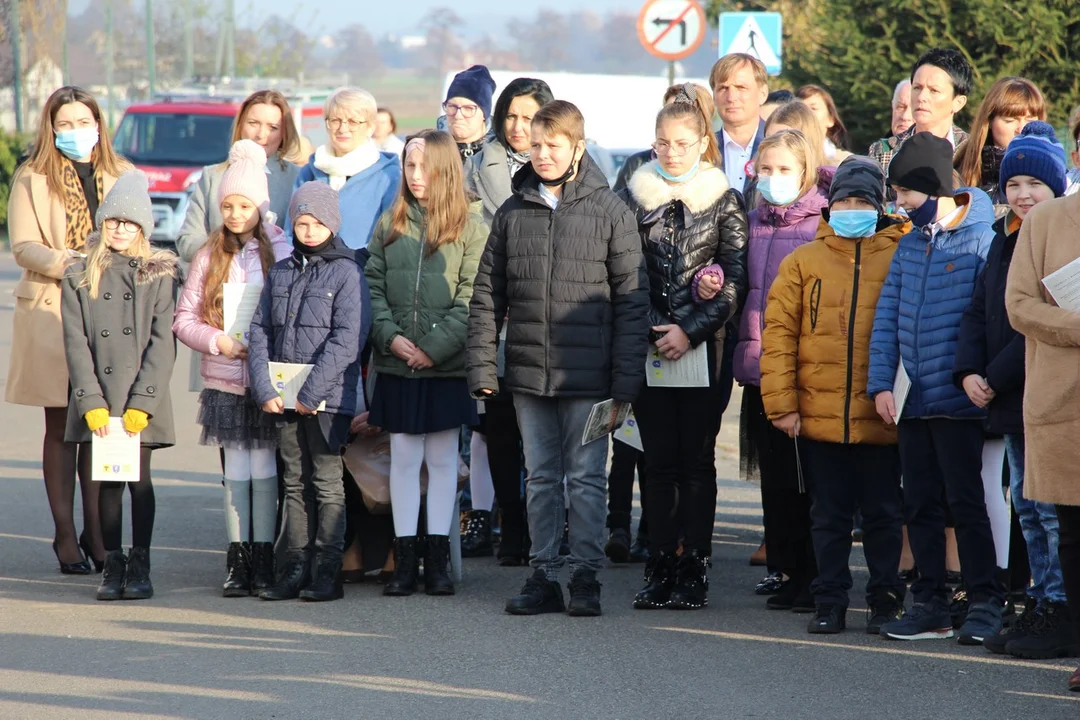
<point x="77" y="144"/>
<point x="688" y="175"/>
<point x="925" y="214"/>
<point x="853" y="224"/>
<point x="779" y="189"/>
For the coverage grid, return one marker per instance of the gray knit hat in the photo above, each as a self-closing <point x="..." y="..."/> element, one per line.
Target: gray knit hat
<point x="859" y="177"/>
<point x="129" y="199"/>
<point x="318" y="200"/>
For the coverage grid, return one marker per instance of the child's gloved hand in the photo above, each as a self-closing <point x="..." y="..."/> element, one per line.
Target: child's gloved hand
<point x="135" y="421"/>
<point x="97" y="420"/>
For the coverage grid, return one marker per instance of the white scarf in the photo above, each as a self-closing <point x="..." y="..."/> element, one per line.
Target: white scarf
<point x="340" y="168"/>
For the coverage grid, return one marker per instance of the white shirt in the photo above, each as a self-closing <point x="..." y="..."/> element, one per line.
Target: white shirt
<point x="944" y="223"/>
<point x="549" y="197"/>
<point x="736" y="158"/>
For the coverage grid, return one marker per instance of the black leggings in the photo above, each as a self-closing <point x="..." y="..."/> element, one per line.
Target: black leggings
<point x="111" y="504"/>
<point x="1069" y="552"/>
<point x="500" y="428"/>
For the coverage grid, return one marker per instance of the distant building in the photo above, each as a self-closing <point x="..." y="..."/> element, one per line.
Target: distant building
<point x="39" y="82"/>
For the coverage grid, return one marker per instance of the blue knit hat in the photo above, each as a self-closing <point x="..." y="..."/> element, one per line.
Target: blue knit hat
<point x="1036" y="152"/>
<point x="476" y="85"/>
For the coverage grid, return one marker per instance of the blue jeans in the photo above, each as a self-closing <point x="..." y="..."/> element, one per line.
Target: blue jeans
<point x="551" y="431"/>
<point x="1039" y="523"/>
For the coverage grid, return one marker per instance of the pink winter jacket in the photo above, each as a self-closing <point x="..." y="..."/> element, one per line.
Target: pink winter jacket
<point x="218" y="371"/>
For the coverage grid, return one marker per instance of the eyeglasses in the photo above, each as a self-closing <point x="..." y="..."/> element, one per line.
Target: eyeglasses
<point x="467" y="111"/>
<point x="679" y="149"/>
<point x="338" y="123"/>
<point x="129" y="225"/>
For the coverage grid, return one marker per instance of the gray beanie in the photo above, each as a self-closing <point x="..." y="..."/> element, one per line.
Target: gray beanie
<point x="318" y="200"/>
<point x="129" y="199"/>
<point x="859" y="177"/>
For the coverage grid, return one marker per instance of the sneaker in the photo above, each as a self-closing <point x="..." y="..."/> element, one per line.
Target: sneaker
<point x="618" y="546"/>
<point x="983" y="620"/>
<point x="1053" y="636"/>
<point x="785" y="598"/>
<point x="924" y="621"/>
<point x="584" y="594"/>
<point x="1020" y="628"/>
<point x="828" y="620"/>
<point x="885" y="609"/>
<point x="804" y="602"/>
<point x="958" y="608"/>
<point x="639" y="551"/>
<point x="538" y="595"/>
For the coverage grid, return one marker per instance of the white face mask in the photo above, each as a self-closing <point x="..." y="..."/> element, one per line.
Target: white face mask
<point x="780" y="189"/>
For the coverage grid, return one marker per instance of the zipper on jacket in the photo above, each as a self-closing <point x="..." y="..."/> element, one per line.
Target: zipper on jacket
<point x="851" y="342"/>
<point x="547" y="297"/>
<point x="416" y="290"/>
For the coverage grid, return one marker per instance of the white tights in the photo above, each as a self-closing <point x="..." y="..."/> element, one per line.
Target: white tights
<point x="480" y="483"/>
<point x="439" y="453"/>
<point x="250" y="495"/>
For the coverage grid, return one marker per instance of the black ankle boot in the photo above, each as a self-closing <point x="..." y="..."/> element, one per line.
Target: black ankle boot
<point x="659" y="581"/>
<point x="326" y="585"/>
<point x="406" y="568"/>
<point x="436" y="557"/>
<point x="262" y="566"/>
<point x="112" y="577"/>
<point x="292" y="578"/>
<point x="477" y="540"/>
<point x="137" y="585"/>
<point x="238" y="562"/>
<point x="514" y="539"/>
<point x="691" y="589"/>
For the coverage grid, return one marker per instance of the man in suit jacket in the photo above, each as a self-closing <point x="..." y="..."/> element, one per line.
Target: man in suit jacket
<point x="740" y="86"/>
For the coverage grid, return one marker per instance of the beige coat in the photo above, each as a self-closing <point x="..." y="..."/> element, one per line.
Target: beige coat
<point x="1049" y="239"/>
<point x="37" y="227"/>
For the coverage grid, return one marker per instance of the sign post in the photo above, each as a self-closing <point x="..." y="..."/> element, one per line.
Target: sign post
<point x="754" y="33"/>
<point x="672" y="30"/>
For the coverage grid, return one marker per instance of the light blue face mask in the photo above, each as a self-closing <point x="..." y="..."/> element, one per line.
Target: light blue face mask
<point x="688" y="175"/>
<point x="853" y="224"/>
<point x="779" y="189"/>
<point x="78" y="143"/>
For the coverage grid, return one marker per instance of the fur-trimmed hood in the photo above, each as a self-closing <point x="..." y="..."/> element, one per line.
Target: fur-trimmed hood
<point x="698" y="194"/>
<point x="161" y="263"/>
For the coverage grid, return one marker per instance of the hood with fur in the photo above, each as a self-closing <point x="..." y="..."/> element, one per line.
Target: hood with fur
<point x="161" y="263"/>
<point x="698" y="194"/>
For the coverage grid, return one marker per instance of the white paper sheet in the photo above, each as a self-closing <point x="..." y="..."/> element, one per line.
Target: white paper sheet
<point x="691" y="370"/>
<point x="603" y="419"/>
<point x="115" y="457"/>
<point x="288" y="379"/>
<point x="1064" y="286"/>
<point x="239" y="301"/>
<point x="630" y="434"/>
<point x="900" y="389"/>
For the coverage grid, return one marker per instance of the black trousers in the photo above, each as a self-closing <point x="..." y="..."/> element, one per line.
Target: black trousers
<point x="1069" y="553"/>
<point x="313" y="482"/>
<point x="940" y="453"/>
<point x="500" y="427"/>
<point x="842" y="479"/>
<point x="785" y="508"/>
<point x="625" y="460"/>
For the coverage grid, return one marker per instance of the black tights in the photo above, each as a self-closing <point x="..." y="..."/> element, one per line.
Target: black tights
<point x="111" y="504"/>
<point x="1069" y="552"/>
<point x="58" y="465"/>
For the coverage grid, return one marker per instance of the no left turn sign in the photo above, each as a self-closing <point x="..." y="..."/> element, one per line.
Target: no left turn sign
<point x="672" y="29"/>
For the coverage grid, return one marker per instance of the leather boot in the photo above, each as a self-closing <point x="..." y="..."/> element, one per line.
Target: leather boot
<point x="262" y="566"/>
<point x="406" y="568"/>
<point x="691" y="589"/>
<point x="238" y="562"/>
<point x="659" y="581"/>
<point x="112" y="577"/>
<point x="326" y="585"/>
<point x="477" y="540"/>
<point x="436" y="557"/>
<point x="137" y="585"/>
<point x="292" y="578"/>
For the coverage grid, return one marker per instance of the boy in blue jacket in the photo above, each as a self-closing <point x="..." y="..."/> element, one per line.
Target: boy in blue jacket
<point x="930" y="284"/>
<point x="313" y="311"/>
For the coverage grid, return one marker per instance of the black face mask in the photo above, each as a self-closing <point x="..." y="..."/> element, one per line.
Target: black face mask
<point x="570" y="170"/>
<point x="311" y="250"/>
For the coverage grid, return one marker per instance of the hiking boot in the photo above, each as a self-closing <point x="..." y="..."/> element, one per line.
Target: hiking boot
<point x="262" y="566"/>
<point x="659" y="580"/>
<point x="112" y="576"/>
<point x="618" y="546"/>
<point x="828" y="620"/>
<point x="1020" y="628"/>
<point x="238" y="581"/>
<point x="691" y="590"/>
<point x="584" y="594"/>
<point x="884" y="609"/>
<point x="137" y="585"/>
<point x="538" y="595"/>
<point x="639" y="551"/>
<point x="983" y="620"/>
<point x="406" y="568"/>
<point x="325" y="586"/>
<point x="924" y="621"/>
<point x="477" y="539"/>
<point x="1053" y="636"/>
<point x="291" y="579"/>
<point x="436" y="558"/>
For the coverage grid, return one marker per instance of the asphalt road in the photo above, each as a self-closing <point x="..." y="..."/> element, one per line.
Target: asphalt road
<point x="189" y="653"/>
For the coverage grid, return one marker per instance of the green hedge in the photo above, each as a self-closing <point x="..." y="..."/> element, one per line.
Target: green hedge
<point x="12" y="147"/>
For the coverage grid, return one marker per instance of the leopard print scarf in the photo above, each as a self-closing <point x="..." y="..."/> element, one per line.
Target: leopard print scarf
<point x="79" y="222"/>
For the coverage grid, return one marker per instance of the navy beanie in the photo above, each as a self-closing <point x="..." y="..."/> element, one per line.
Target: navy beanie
<point x="476" y="85"/>
<point x="1036" y="152"/>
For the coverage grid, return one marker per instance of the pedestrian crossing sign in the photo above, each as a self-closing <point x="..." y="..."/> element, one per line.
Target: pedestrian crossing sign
<point x="755" y="33"/>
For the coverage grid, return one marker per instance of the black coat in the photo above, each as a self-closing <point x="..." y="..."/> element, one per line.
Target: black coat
<point x="685" y="228"/>
<point x="988" y="344"/>
<point x="572" y="283"/>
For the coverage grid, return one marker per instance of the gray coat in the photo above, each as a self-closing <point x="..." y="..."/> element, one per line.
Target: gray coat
<point x="488" y="177"/>
<point x="120" y="347"/>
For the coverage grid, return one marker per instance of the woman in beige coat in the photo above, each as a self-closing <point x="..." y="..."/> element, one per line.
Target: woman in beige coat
<point x="54" y="197"/>
<point x="1049" y="240"/>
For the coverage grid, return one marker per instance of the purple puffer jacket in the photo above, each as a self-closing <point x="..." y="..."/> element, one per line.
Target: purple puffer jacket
<point x="774" y="233"/>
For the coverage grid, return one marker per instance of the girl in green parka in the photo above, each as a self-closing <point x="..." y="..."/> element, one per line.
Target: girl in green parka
<point x="424" y="255"/>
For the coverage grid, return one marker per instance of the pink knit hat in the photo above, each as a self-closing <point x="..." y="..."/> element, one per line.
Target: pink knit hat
<point x="246" y="175"/>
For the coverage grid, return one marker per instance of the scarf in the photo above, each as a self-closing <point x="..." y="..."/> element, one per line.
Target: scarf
<point x="79" y="222"/>
<point x="467" y="150"/>
<point x="992" y="156"/>
<point x="341" y="168"/>
<point x="515" y="160"/>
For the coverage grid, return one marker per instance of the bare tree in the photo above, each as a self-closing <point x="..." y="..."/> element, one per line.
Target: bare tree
<point x="443" y="51"/>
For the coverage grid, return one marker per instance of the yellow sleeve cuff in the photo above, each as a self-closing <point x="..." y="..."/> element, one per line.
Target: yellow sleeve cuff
<point x="97" y="418"/>
<point x="135" y="421"/>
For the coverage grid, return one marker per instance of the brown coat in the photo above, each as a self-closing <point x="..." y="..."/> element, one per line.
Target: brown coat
<point x="37" y="226"/>
<point x="1049" y="240"/>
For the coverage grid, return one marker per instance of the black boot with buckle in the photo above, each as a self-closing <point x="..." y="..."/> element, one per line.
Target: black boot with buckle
<point x="691" y="590"/>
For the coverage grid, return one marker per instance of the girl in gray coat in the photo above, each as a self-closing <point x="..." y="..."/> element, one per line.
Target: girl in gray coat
<point x="117" y="314"/>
